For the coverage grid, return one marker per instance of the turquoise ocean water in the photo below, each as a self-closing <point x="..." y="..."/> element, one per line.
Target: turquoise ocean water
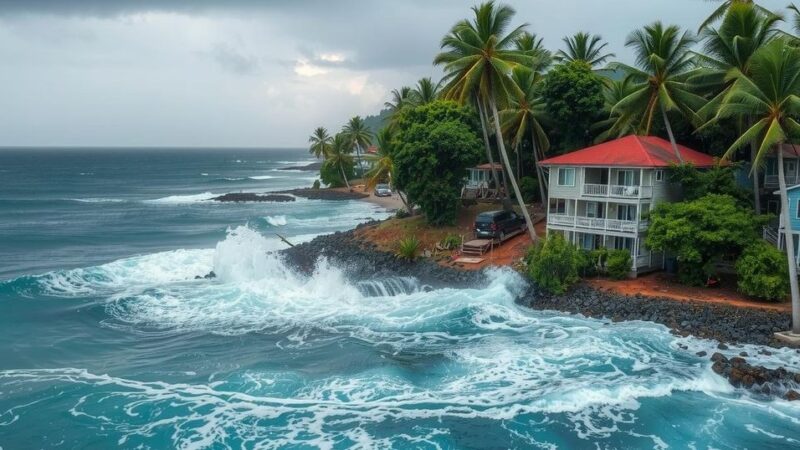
<point x="107" y="340"/>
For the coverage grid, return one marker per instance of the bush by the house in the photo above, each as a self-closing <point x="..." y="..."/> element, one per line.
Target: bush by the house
<point x="451" y="241"/>
<point x="408" y="248"/>
<point x="763" y="272"/>
<point x="618" y="264"/>
<point x="553" y="264"/>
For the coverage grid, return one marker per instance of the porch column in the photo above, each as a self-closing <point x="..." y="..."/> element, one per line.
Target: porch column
<point x="641" y="181"/>
<point x="608" y="188"/>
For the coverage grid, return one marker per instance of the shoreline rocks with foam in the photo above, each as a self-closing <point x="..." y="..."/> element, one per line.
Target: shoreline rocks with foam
<point x="237" y="197"/>
<point x="324" y="194"/>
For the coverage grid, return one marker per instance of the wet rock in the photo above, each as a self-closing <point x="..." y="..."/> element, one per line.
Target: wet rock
<point x="722" y="346"/>
<point x="238" y="197"/>
<point x="792" y="395"/>
<point x="743" y="354"/>
<point x="324" y="194"/>
<point x="207" y="276"/>
<point x="701" y="353"/>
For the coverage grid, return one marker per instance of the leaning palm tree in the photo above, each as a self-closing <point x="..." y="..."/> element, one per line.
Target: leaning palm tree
<point x="795" y="17"/>
<point x="320" y="142"/>
<point x="743" y="31"/>
<point x="425" y="91"/>
<point x="533" y="46"/>
<point x="618" y="123"/>
<point x="478" y="56"/>
<point x="383" y="168"/>
<point x="339" y="156"/>
<point x="664" y="64"/>
<point x="360" y="137"/>
<point x="522" y="118"/>
<point x="770" y="95"/>
<point x="584" y="47"/>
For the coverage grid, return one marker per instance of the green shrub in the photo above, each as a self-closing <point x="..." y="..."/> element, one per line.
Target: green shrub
<point x="529" y="188"/>
<point x="402" y="213"/>
<point x="763" y="272"/>
<point x="553" y="264"/>
<point x="408" y="248"/>
<point x="618" y="264"/>
<point x="451" y="241"/>
<point x="593" y="262"/>
<point x="315" y="185"/>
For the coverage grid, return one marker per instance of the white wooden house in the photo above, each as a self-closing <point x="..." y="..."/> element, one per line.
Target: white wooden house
<point x="600" y="196"/>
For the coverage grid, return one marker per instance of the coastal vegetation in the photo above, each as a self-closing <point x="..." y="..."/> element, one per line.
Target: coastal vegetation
<point x="553" y="264"/>
<point x="729" y="90"/>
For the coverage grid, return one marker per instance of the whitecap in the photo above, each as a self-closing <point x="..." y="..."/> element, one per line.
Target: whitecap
<point x="97" y="200"/>
<point x="262" y="177"/>
<point x="276" y="221"/>
<point x="178" y="199"/>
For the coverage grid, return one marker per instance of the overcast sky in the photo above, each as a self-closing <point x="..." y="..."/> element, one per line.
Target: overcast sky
<point x="246" y="73"/>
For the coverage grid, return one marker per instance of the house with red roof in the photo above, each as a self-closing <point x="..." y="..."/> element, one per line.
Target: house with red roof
<point x="600" y="195"/>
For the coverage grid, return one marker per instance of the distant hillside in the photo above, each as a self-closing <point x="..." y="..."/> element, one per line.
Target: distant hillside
<point x="375" y="123"/>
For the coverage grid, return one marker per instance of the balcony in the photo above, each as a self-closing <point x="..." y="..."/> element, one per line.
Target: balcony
<point x="592" y="223"/>
<point x="617" y="191"/>
<point x="772" y="180"/>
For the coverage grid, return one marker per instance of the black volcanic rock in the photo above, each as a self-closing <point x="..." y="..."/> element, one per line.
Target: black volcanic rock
<point x="251" y="197"/>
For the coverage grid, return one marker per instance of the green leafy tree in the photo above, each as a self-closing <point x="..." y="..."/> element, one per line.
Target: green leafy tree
<point x="574" y="100"/>
<point x="478" y="56"/>
<point x="770" y="96"/>
<point x="320" y="142"/>
<point x="359" y="136"/>
<point x="700" y="232"/>
<point x="719" y="180"/>
<point x="553" y="264"/>
<point x="339" y="162"/>
<point x="434" y="145"/>
<point x="584" y="47"/>
<point x="762" y="272"/>
<point x="618" y="264"/>
<point x="663" y="66"/>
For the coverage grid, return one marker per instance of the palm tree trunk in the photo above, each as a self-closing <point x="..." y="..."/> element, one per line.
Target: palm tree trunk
<point x="789" y="239"/>
<point x="502" y="147"/>
<point x="539" y="170"/>
<point x="341" y="169"/>
<point x="669" y="132"/>
<point x="516" y="152"/>
<point x="495" y="178"/>
<point x="754" y="171"/>
<point x="358" y="154"/>
<point x="405" y="201"/>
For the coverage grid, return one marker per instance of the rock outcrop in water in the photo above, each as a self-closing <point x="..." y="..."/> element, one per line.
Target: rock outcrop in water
<point x="325" y="194"/>
<point x="740" y="374"/>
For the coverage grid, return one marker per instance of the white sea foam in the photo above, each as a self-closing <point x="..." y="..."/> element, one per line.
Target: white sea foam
<point x="178" y="199"/>
<point x="276" y="221"/>
<point x="262" y="177"/>
<point x="97" y="200"/>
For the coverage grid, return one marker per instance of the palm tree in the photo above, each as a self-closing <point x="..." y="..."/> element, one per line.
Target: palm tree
<point x="769" y="95"/>
<point x="425" y="91"/>
<point x="478" y="56"/>
<point x="400" y="99"/>
<point x="584" y="47"/>
<point x="743" y="31"/>
<point x="796" y="17"/>
<point x="360" y="137"/>
<point x="383" y="168"/>
<point x="523" y="116"/>
<point x="619" y="123"/>
<point x="725" y="6"/>
<point x="533" y="46"/>
<point x="664" y="65"/>
<point x="320" y="142"/>
<point x="339" y="155"/>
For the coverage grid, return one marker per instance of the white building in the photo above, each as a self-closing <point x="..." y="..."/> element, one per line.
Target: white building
<point x="600" y="196"/>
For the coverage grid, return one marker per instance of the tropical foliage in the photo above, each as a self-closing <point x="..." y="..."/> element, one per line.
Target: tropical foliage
<point x="584" y="47"/>
<point x="553" y="264"/>
<point x="762" y="272"/>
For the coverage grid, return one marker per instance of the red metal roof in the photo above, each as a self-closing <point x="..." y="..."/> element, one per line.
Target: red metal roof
<point x="488" y="166"/>
<point x="631" y="151"/>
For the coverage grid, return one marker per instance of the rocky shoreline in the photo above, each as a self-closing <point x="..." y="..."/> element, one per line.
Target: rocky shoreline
<point x="324" y="194"/>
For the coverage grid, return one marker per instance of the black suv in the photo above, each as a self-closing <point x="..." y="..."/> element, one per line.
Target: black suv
<point x="498" y="224"/>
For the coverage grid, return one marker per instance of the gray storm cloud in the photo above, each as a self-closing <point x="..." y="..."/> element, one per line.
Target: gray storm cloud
<point x="245" y="73"/>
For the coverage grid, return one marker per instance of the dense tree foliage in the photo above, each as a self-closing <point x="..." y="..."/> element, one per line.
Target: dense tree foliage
<point x="701" y="232"/>
<point x="573" y="95"/>
<point x="553" y="264"/>
<point x="433" y="146"/>
<point x="762" y="272"/>
<point x="717" y="180"/>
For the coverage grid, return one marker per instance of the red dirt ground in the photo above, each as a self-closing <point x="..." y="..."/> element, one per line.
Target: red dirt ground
<point x="664" y="285"/>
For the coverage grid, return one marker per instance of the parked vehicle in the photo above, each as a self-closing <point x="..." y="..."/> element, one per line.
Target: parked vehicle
<point x="498" y="224"/>
<point x="383" y="190"/>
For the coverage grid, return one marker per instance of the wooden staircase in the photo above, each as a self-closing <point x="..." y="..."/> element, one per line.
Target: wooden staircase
<point x="476" y="247"/>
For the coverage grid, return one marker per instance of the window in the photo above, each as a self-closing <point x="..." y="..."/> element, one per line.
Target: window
<point x="558" y="206"/>
<point x="797" y="210"/>
<point x="626" y="212"/>
<point x="659" y="175"/>
<point x="644" y="211"/>
<point x="621" y="243"/>
<point x="789" y="167"/>
<point x="566" y="176"/>
<point x="625" y="178"/>
<point x="593" y="209"/>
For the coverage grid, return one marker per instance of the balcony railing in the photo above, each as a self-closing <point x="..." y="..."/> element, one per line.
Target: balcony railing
<point x="772" y="180"/>
<point x="619" y="191"/>
<point x="624" y="226"/>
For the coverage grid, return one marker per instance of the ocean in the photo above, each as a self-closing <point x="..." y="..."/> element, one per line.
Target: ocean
<point x="108" y="339"/>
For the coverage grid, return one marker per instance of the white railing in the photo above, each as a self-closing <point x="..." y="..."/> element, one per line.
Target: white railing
<point x="600" y="190"/>
<point x="560" y="219"/>
<point x="772" y="180"/>
<point x="615" y="190"/>
<point x="644" y="261"/>
<point x="624" y="226"/>
<point x="770" y="235"/>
